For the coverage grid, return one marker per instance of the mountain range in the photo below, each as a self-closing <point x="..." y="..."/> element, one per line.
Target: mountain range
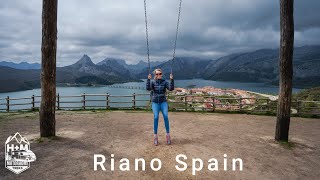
<point x="256" y="66"/>
<point x="262" y="66"/>
<point x="21" y="65"/>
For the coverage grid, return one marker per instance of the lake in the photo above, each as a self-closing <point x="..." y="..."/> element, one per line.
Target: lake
<point x="63" y="91"/>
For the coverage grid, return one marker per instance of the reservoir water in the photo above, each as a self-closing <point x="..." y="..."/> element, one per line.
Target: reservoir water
<point x="64" y="91"/>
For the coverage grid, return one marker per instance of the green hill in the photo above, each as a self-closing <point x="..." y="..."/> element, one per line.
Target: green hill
<point x="312" y="94"/>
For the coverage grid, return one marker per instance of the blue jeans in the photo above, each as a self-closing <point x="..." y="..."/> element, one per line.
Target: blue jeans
<point x="163" y="107"/>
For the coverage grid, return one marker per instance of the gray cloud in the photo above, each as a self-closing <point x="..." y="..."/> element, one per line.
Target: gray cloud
<point x="108" y="28"/>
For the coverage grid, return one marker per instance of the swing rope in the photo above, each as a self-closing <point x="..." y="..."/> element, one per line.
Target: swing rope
<point x="175" y="42"/>
<point x="176" y="37"/>
<point x="147" y="37"/>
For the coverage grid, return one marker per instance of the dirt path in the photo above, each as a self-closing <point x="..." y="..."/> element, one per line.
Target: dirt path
<point x="128" y="134"/>
<point x="271" y="97"/>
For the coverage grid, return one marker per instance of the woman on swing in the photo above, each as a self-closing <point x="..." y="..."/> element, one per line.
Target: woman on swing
<point x="159" y="101"/>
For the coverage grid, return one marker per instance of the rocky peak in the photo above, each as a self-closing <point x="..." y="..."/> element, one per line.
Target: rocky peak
<point x="112" y="61"/>
<point x="85" y="60"/>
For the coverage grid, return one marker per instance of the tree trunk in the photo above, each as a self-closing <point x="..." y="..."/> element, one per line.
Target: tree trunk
<point x="48" y="68"/>
<point x="285" y="70"/>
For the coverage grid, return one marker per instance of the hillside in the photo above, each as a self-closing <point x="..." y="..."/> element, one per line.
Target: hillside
<point x="20" y="79"/>
<point x="17" y="79"/>
<point x="312" y="94"/>
<point x="262" y="66"/>
<point x="183" y="68"/>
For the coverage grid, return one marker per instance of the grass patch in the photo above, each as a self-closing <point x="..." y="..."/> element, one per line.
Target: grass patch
<point x="287" y="145"/>
<point x="4" y="117"/>
<point x="308" y="115"/>
<point x="33" y="114"/>
<point x="47" y="139"/>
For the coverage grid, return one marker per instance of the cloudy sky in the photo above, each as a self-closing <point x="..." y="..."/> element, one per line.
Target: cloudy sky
<point x="115" y="28"/>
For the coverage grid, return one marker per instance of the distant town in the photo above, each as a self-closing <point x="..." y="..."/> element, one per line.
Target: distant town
<point x="209" y="97"/>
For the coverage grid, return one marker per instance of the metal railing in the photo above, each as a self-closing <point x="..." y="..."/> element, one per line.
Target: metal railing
<point x="190" y="102"/>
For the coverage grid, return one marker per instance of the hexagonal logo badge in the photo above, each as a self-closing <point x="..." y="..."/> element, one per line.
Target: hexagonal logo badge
<point x="18" y="154"/>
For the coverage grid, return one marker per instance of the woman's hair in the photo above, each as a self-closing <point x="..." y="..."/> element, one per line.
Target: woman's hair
<point x="155" y="71"/>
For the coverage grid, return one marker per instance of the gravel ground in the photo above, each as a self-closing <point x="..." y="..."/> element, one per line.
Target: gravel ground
<point x="128" y="134"/>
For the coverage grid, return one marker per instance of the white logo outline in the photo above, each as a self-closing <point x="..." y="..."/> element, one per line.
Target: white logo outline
<point x="18" y="154"/>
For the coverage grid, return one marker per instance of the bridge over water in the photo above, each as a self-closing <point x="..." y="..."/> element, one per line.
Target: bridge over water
<point x="127" y="87"/>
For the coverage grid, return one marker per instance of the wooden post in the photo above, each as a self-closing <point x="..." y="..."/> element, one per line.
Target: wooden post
<point x="150" y="102"/>
<point x="107" y="101"/>
<point x="167" y="97"/>
<point x="8" y="103"/>
<point x="213" y="104"/>
<point x="298" y="107"/>
<point x="84" y="101"/>
<point x="185" y="103"/>
<point x="192" y="104"/>
<point x="134" y="100"/>
<point x="33" y="106"/>
<point x="268" y="105"/>
<point x="58" y="101"/>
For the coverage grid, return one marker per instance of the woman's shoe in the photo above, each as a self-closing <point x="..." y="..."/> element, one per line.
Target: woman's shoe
<point x="155" y="141"/>
<point x="168" y="139"/>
